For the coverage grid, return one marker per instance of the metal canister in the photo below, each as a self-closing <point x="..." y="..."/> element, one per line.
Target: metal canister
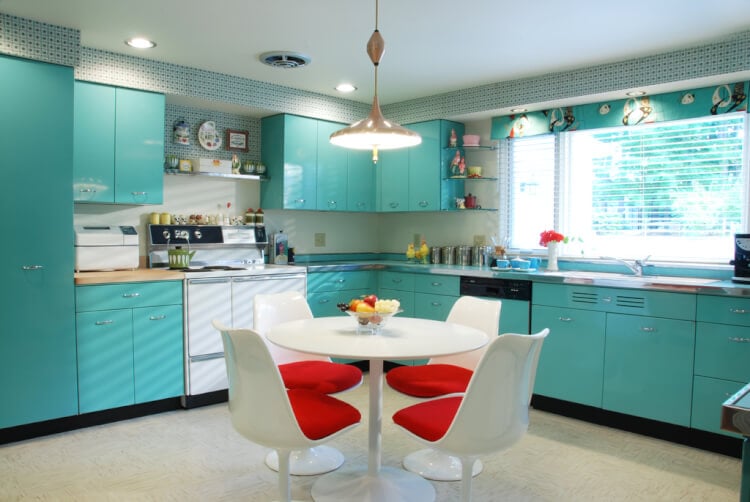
<point x="435" y="254"/>
<point x="477" y="256"/>
<point x="448" y="254"/>
<point x="463" y="255"/>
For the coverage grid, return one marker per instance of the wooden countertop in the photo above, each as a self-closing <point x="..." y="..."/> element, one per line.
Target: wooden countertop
<point x="137" y="275"/>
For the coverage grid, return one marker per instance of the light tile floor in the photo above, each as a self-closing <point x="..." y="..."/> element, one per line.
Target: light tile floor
<point x="195" y="455"/>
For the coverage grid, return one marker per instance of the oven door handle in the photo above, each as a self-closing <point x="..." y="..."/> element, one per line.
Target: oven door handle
<point x="206" y="357"/>
<point x="216" y="280"/>
<point x="268" y="277"/>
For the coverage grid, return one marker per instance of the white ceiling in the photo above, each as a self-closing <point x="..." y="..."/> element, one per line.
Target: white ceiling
<point x="432" y="46"/>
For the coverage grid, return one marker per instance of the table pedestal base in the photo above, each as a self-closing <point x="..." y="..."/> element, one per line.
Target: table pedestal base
<point x="388" y="485"/>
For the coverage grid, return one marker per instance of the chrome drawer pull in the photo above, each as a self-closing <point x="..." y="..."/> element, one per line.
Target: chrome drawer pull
<point x="437" y="283"/>
<point x="139" y="193"/>
<point x="423" y="203"/>
<point x="738" y="339"/>
<point x="397" y="281"/>
<point x="299" y="201"/>
<point x="341" y="281"/>
<point x="436" y="304"/>
<point x="157" y="317"/>
<point x="32" y="267"/>
<point x="331" y="203"/>
<point x="101" y="323"/>
<point x="648" y="329"/>
<point x="738" y="311"/>
<point x="324" y="300"/>
<point x="130" y="295"/>
<point x="607" y="299"/>
<point x="565" y="319"/>
<point x="86" y="190"/>
<point x="393" y="205"/>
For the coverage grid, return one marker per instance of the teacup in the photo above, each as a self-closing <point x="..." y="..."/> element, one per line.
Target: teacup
<point x="520" y="263"/>
<point x="534" y="262"/>
<point x="502" y="263"/>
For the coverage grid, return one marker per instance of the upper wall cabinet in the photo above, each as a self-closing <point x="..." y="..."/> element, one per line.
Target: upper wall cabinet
<point x="411" y="179"/>
<point x="118" y="145"/>
<point x="306" y="171"/>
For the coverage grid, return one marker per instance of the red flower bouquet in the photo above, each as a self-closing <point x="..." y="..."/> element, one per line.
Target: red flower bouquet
<point x="550" y="236"/>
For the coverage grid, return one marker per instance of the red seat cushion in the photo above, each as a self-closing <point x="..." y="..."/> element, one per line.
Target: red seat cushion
<point x="320" y="415"/>
<point x="429" y="380"/>
<point x="429" y="420"/>
<point x="322" y="376"/>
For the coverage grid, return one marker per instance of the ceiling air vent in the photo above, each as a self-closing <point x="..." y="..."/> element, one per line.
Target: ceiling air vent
<point x="286" y="60"/>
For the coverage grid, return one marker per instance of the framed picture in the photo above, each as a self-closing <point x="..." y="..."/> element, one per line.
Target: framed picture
<point x="237" y="140"/>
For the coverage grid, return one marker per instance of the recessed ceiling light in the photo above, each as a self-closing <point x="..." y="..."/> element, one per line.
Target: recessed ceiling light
<point x="345" y="88"/>
<point x="518" y="110"/>
<point x="140" y="43"/>
<point x="634" y="94"/>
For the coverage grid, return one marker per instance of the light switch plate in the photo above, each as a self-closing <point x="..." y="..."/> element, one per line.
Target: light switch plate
<point x="320" y="240"/>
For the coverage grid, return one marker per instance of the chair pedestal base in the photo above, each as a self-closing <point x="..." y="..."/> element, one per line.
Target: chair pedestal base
<point x="432" y="464"/>
<point x="309" y="462"/>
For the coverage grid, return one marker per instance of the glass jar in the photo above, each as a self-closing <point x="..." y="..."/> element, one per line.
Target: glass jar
<point x="259" y="217"/>
<point x="250" y="217"/>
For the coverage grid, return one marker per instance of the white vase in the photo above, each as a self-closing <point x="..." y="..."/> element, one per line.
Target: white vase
<point x="552" y="256"/>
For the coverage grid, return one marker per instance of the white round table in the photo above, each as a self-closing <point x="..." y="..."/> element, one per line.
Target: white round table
<point x="401" y="338"/>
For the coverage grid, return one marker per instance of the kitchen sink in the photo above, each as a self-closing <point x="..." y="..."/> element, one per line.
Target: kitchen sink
<point x="614" y="278"/>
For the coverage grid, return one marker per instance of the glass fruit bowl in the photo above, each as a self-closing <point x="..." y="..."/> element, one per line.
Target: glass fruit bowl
<point x="371" y="322"/>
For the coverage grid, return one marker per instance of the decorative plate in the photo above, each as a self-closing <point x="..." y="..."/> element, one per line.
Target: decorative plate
<point x="208" y="137"/>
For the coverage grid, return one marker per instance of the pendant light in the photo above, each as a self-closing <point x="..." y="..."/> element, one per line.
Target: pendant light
<point x="375" y="132"/>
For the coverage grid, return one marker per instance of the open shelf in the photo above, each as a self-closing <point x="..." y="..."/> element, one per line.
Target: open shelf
<point x="246" y="177"/>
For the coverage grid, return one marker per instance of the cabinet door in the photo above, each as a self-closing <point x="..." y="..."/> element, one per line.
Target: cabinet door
<point x="105" y="359"/>
<point x="94" y="143"/>
<point x="332" y="174"/>
<point x="361" y="181"/>
<point x="37" y="340"/>
<point x="572" y="360"/>
<point x="393" y="181"/>
<point x="424" y="168"/>
<point x="158" y="357"/>
<point x="435" y="307"/>
<point x="708" y="396"/>
<point x="300" y="160"/>
<point x="514" y="317"/>
<point x="648" y="367"/>
<point x="139" y="147"/>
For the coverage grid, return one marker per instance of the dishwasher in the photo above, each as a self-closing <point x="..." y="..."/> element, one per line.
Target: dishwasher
<point x="515" y="315"/>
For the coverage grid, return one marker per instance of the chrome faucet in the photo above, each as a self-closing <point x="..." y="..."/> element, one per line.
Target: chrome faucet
<point x="636" y="267"/>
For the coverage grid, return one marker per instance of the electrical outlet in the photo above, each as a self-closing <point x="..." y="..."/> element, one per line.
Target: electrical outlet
<point x="320" y="240"/>
<point x="479" y="240"/>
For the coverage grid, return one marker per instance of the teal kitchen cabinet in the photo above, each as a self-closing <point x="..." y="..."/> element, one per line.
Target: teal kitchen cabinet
<point x="130" y="343"/>
<point x="37" y="312"/>
<point x="118" y="145"/>
<point x="332" y="170"/>
<point x="514" y="316"/>
<point x="393" y="182"/>
<point x="571" y="365"/>
<point x="327" y="289"/>
<point x="722" y="357"/>
<point x="361" y="181"/>
<point x="398" y="286"/>
<point x="648" y="367"/>
<point x="434" y="295"/>
<point x="412" y="179"/>
<point x="289" y="146"/>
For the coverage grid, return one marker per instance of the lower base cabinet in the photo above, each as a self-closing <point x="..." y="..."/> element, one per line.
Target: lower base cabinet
<point x="133" y="353"/>
<point x="571" y="365"/>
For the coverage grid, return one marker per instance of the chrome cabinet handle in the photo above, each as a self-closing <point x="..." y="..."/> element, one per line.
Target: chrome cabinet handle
<point x="393" y="205"/>
<point x="157" y="317"/>
<point x="565" y="319"/>
<point x="138" y="193"/>
<point x="361" y="204"/>
<point x="738" y="311"/>
<point x="324" y="300"/>
<point x="397" y="281"/>
<point x="332" y="203"/>
<point x="437" y="284"/>
<point x="738" y="339"/>
<point x="648" y="329"/>
<point x="607" y="299"/>
<point x="102" y="323"/>
<point x="423" y="203"/>
<point x="86" y="190"/>
<point x="299" y="201"/>
<point x="32" y="267"/>
<point x="131" y="295"/>
<point x="436" y="304"/>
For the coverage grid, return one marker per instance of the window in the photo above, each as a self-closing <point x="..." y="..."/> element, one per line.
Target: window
<point x="673" y="190"/>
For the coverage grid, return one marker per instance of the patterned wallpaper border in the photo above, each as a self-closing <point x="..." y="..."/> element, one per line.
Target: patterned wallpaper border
<point x="59" y="45"/>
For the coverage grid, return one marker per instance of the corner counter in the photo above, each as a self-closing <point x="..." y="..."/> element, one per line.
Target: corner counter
<point x="137" y="275"/>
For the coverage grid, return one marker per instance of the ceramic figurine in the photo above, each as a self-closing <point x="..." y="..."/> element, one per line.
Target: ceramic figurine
<point x="181" y="133"/>
<point x="462" y="167"/>
<point x="454" y="163"/>
<point x="454" y="139"/>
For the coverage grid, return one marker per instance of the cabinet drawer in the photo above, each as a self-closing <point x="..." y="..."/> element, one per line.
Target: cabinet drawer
<point x="724" y="310"/>
<point x="436" y="307"/>
<point x="128" y="295"/>
<point x="708" y="396"/>
<point x="339" y="281"/>
<point x="722" y="351"/>
<point x="396" y="280"/>
<point x="406" y="298"/>
<point x="437" y="284"/>
<point x="617" y="300"/>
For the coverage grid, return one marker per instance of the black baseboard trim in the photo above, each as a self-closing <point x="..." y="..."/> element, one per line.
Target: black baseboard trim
<point x="703" y="440"/>
<point x="217" y="396"/>
<point x="65" y="424"/>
